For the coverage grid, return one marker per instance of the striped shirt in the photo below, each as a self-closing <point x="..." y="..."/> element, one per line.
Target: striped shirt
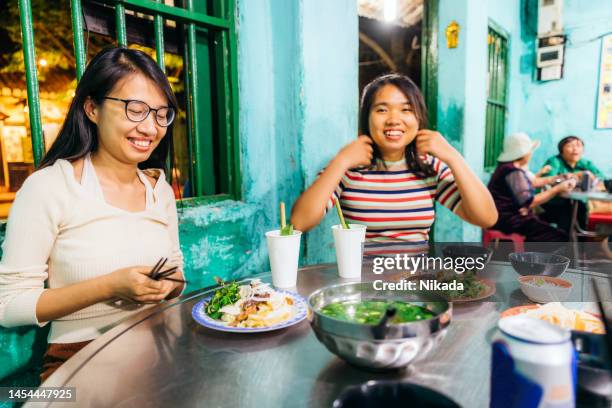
<point x="395" y="204"/>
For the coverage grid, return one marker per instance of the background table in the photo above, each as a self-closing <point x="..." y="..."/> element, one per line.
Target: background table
<point x="162" y="357"/>
<point x="585" y="197"/>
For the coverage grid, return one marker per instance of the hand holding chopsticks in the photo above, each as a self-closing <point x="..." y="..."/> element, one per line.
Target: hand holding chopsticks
<point x="143" y="284"/>
<point x="157" y="273"/>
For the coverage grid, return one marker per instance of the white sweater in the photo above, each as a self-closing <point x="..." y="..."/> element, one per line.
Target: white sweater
<point x="58" y="229"/>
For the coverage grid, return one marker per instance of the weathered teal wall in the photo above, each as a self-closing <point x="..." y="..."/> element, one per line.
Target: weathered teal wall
<point x="329" y="94"/>
<point x="298" y="92"/>
<point x="462" y="76"/>
<point x="298" y="97"/>
<point x="551" y="110"/>
<point x="548" y="111"/>
<point x="555" y="109"/>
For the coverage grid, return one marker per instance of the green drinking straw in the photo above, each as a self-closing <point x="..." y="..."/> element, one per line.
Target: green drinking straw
<point x="342" y="222"/>
<point x="285" y="229"/>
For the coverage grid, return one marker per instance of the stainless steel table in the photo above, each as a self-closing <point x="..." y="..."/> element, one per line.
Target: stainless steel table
<point x="585" y="196"/>
<point x="576" y="197"/>
<point x="163" y="358"/>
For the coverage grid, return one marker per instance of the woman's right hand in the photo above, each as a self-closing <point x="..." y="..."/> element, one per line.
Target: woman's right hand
<point x="134" y="284"/>
<point x="357" y="153"/>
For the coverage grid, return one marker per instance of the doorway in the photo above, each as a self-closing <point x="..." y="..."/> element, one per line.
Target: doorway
<point x="400" y="36"/>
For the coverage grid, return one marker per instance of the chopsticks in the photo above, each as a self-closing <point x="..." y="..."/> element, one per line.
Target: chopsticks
<point x="606" y="323"/>
<point x="157" y="273"/>
<point x="160" y="264"/>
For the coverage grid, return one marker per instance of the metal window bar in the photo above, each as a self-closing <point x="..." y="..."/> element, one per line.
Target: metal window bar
<point x="201" y="71"/>
<point x="181" y="15"/>
<point x="29" y="58"/>
<point x="227" y="80"/>
<point x="158" y="22"/>
<point x="216" y="65"/>
<point x="496" y="99"/>
<point x="120" y="25"/>
<point x="79" y="44"/>
<point x="159" y="40"/>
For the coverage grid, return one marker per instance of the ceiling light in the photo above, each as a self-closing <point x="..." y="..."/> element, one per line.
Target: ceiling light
<point x="390" y="10"/>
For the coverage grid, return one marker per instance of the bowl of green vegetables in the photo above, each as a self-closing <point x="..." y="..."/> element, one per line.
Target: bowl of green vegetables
<point x="378" y="329"/>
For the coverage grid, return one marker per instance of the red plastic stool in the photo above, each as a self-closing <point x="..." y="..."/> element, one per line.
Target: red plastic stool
<point x="601" y="225"/>
<point x="598" y="219"/>
<point x="489" y="235"/>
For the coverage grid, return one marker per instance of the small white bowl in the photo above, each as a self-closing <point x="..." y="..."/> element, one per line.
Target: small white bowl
<point x="545" y="293"/>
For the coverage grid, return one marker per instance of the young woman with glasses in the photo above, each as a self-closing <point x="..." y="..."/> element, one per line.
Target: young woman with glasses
<point x="86" y="228"/>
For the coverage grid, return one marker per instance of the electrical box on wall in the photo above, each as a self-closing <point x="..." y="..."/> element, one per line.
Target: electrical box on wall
<point x="550" y="55"/>
<point x="550" y="45"/>
<point x="550" y="17"/>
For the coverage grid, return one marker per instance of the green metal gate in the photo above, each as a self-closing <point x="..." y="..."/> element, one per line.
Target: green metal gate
<point x="497" y="70"/>
<point x="210" y="82"/>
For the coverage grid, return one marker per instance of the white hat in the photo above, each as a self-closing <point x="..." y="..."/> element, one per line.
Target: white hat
<point x="516" y="146"/>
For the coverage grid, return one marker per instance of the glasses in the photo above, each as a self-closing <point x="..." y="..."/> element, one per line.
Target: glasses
<point x="138" y="111"/>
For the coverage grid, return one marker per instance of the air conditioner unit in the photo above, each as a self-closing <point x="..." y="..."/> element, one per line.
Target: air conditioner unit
<point x="550" y="17"/>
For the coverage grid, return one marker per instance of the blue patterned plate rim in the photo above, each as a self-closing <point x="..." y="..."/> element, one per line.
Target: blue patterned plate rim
<point x="200" y="316"/>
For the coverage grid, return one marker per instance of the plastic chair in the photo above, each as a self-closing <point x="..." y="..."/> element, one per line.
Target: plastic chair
<point x="596" y="219"/>
<point x="489" y="235"/>
<point x="601" y="223"/>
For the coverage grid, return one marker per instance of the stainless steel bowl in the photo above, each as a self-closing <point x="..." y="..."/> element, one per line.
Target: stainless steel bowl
<point x="364" y="345"/>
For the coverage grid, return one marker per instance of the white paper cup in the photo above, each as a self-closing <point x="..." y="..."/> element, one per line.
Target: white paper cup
<point x="349" y="249"/>
<point x="284" y="252"/>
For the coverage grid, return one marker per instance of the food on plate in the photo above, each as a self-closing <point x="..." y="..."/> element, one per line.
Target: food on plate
<point x="372" y="311"/>
<point x="252" y="305"/>
<point x="228" y="294"/>
<point x="545" y="289"/>
<point x="540" y="282"/>
<point x="559" y="315"/>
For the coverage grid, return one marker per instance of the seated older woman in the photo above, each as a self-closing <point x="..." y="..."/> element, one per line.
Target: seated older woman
<point x="515" y="196"/>
<point x="569" y="161"/>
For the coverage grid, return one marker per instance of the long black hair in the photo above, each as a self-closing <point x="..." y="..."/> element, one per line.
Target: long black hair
<point x="79" y="135"/>
<point x="416" y="100"/>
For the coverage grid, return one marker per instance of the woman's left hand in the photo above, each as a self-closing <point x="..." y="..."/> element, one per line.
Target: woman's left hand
<point x="176" y="286"/>
<point x="477" y="205"/>
<point x="433" y="143"/>
<point x="167" y="287"/>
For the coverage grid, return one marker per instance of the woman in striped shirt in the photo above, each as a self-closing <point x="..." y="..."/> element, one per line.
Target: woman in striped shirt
<point x="389" y="178"/>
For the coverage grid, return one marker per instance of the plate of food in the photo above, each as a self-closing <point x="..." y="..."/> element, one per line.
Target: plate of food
<point x="474" y="287"/>
<point x="251" y="307"/>
<point x="557" y="314"/>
